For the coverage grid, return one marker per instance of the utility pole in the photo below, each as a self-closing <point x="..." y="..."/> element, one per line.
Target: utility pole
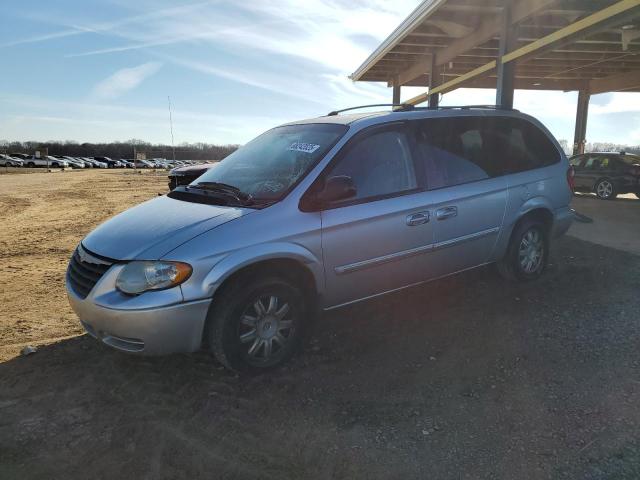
<point x="173" y="148"/>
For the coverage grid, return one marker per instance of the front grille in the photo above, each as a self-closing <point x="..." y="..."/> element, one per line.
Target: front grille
<point x="85" y="269"/>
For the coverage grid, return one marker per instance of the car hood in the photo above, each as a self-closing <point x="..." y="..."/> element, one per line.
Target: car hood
<point x="152" y="229"/>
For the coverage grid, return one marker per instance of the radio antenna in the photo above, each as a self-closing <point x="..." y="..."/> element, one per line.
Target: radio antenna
<point x="173" y="148"/>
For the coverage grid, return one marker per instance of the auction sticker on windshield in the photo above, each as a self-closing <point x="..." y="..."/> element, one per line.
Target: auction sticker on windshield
<point x="304" y="147"/>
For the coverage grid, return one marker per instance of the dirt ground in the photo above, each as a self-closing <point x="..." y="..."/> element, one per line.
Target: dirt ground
<point x="465" y="378"/>
<point x="43" y="217"/>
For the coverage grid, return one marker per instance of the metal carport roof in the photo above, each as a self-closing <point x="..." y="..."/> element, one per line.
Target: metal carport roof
<point x="559" y="45"/>
<point x="592" y="46"/>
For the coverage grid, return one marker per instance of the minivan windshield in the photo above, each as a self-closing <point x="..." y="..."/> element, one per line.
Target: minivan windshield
<point x="267" y="167"/>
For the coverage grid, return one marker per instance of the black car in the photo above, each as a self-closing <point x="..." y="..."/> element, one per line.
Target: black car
<point x="187" y="174"/>
<point x="607" y="174"/>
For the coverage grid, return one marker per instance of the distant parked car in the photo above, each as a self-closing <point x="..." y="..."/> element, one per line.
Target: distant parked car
<point x="94" y="162"/>
<point x="126" y="163"/>
<point x="143" y="164"/>
<point x="187" y="174"/>
<point x="55" y="162"/>
<point x="48" y="161"/>
<point x="73" y="163"/>
<point x="9" y="161"/>
<point x="79" y="161"/>
<point x="110" y="163"/>
<point x="607" y="174"/>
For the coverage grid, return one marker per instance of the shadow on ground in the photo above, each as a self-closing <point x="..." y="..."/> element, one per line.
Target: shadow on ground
<point x="468" y="377"/>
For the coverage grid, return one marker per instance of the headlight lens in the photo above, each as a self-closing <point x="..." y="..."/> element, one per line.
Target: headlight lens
<point x="141" y="276"/>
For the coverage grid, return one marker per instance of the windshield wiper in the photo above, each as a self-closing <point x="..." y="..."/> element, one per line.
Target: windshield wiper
<point x="229" y="190"/>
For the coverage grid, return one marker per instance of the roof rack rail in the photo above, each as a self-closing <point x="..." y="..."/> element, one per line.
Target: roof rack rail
<point x="397" y="107"/>
<point x="479" y="107"/>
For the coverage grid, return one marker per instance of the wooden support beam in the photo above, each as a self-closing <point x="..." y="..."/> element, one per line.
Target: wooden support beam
<point x="421" y="67"/>
<point x="486" y="31"/>
<point x="396" y="94"/>
<point x="576" y="28"/>
<point x="582" y="113"/>
<point x="434" y="79"/>
<point x="452" y="84"/>
<point x="506" y="71"/>
<point x="482" y="34"/>
<point x="616" y="83"/>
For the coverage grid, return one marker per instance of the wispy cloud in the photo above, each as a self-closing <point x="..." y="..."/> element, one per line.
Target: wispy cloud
<point x="316" y="31"/>
<point x="124" y="80"/>
<point x="150" y="15"/>
<point x="43" y="38"/>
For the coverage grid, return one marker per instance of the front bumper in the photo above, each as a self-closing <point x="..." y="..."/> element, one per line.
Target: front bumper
<point x="143" y="329"/>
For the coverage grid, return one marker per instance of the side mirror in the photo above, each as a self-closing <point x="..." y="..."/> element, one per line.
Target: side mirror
<point x="336" y="188"/>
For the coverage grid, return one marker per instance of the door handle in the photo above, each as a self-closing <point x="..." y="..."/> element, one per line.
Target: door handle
<point x="417" y="218"/>
<point x="446" y="212"/>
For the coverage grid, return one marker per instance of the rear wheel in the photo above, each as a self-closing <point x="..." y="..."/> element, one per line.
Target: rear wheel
<point x="31" y="165"/>
<point x="257" y="325"/>
<point x="605" y="190"/>
<point x="528" y="251"/>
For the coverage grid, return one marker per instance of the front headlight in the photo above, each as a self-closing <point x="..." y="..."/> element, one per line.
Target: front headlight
<point x="140" y="276"/>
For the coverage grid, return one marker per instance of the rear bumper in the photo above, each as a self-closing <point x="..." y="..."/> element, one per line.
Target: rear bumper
<point x="151" y="331"/>
<point x="562" y="220"/>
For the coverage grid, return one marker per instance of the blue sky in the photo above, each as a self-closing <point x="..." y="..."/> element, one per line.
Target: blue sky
<point x="101" y="70"/>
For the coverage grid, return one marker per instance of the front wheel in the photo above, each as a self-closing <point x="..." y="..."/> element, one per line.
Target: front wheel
<point x="527" y="253"/>
<point x="256" y="325"/>
<point x="605" y="190"/>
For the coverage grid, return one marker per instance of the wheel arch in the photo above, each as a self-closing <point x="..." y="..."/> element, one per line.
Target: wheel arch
<point x="290" y="261"/>
<point x="537" y="207"/>
<point x="293" y="268"/>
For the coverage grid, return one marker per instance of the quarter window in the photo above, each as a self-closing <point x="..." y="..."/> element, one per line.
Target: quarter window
<point x="576" y="161"/>
<point x="458" y="150"/>
<point x="380" y="164"/>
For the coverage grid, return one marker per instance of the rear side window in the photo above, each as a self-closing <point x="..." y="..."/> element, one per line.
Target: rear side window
<point x="380" y="164"/>
<point x="451" y="151"/>
<point x="458" y="150"/>
<point x="592" y="163"/>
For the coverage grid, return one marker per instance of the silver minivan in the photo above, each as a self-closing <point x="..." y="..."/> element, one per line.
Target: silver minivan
<point x="317" y="214"/>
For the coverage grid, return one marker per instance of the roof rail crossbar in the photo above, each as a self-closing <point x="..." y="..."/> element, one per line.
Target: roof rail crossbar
<point x="398" y="107"/>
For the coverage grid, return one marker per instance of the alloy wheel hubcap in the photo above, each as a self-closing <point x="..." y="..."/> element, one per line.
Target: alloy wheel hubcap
<point x="531" y="251"/>
<point x="605" y="189"/>
<point x="266" y="327"/>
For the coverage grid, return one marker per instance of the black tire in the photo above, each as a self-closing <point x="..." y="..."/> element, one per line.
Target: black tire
<point x="511" y="266"/>
<point x="55" y="165"/>
<point x="31" y="165"/>
<point x="230" y="318"/>
<point x="604" y="193"/>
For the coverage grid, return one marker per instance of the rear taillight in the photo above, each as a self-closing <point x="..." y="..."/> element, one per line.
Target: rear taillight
<point x="635" y="170"/>
<point x="571" y="173"/>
